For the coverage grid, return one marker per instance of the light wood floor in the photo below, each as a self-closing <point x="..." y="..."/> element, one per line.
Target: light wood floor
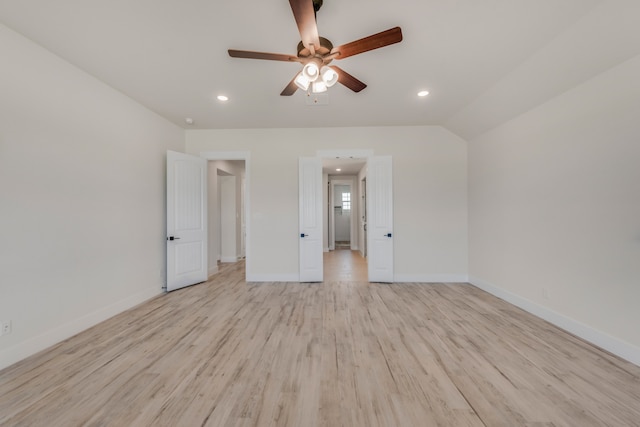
<point x="339" y="353"/>
<point x="344" y="264"/>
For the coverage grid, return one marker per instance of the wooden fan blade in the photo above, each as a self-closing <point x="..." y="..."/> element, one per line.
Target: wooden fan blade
<point x="262" y="55"/>
<point x="306" y="19"/>
<point x="375" y="41"/>
<point x="291" y="88"/>
<point x="348" y="80"/>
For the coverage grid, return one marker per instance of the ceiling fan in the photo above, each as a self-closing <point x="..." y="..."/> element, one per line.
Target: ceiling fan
<point x="315" y="52"/>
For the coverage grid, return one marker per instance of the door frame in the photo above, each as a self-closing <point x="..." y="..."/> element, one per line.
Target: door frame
<point x="246" y="156"/>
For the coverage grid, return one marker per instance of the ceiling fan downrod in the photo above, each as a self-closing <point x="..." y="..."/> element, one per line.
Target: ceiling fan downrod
<point x="317" y="4"/>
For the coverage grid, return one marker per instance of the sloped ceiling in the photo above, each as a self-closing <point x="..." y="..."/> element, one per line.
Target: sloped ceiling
<point x="483" y="61"/>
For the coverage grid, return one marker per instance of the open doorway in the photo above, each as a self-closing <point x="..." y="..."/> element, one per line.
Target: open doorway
<point x="312" y="211"/>
<point x="344" y="234"/>
<point x="342" y="216"/>
<point x="227" y="205"/>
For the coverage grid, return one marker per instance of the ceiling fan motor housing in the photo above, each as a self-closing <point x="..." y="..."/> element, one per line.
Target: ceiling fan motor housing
<point x="324" y="49"/>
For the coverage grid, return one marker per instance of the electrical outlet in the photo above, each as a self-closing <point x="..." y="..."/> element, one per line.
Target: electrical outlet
<point x="6" y="327"/>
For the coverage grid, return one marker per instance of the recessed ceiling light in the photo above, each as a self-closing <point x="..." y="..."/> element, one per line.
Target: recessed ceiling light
<point x="223" y="98"/>
<point x="188" y="121"/>
<point x="338" y="170"/>
<point x="423" y="93"/>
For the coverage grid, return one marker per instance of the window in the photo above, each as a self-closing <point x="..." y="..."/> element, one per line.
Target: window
<point x="346" y="201"/>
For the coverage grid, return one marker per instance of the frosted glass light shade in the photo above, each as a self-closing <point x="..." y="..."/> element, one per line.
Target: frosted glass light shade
<point x="329" y="76"/>
<point x="319" y="86"/>
<point x="311" y="71"/>
<point x="302" y="81"/>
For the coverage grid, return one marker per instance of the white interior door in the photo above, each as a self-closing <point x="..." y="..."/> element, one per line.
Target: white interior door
<point x="228" y="217"/>
<point x="310" y="219"/>
<point x="380" y="219"/>
<point x="363" y="209"/>
<point x="243" y="225"/>
<point x="332" y="218"/>
<point x="186" y="220"/>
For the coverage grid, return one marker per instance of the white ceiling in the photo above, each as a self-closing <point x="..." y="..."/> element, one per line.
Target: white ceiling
<point x="482" y="60"/>
<point x="348" y="167"/>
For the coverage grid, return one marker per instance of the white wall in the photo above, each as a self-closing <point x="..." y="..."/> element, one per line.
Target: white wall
<point x="555" y="210"/>
<point x="82" y="198"/>
<point x="430" y="194"/>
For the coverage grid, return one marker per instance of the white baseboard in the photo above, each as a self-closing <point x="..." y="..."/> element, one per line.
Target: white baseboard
<point x="229" y="259"/>
<point x="431" y="278"/>
<point x="609" y="343"/>
<point x="33" y="345"/>
<point x="407" y="278"/>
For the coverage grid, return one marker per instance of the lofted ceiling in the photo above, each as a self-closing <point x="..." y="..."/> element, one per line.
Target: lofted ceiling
<point x="473" y="56"/>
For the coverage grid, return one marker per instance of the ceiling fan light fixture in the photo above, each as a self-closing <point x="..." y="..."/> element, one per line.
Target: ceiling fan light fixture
<point x="318" y="86"/>
<point x="328" y="75"/>
<point x="311" y="70"/>
<point x="302" y="81"/>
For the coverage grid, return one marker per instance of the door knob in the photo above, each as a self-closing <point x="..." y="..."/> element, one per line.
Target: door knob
<point x="303" y="235"/>
<point x="173" y="238"/>
<point x="387" y="235"/>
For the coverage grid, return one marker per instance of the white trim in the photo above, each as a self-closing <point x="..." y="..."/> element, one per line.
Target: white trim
<point x="290" y="277"/>
<point x="246" y="156"/>
<point x="431" y="278"/>
<point x="229" y="259"/>
<point x="609" y="343"/>
<point x="38" y="343"/>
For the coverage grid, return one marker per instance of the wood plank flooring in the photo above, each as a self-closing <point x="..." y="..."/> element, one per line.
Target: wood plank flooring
<point x="339" y="353"/>
<point x="344" y="264"/>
